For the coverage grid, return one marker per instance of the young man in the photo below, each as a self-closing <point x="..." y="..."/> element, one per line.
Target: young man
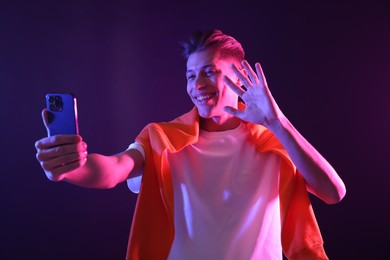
<point x="223" y="181"/>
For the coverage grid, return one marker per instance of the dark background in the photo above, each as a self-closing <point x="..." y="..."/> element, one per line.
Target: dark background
<point x="327" y="65"/>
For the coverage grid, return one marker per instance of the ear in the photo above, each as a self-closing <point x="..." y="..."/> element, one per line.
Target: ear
<point x="238" y="81"/>
<point x="243" y="71"/>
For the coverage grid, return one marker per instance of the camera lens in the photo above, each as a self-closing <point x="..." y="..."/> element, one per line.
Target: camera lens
<point x="53" y="107"/>
<point x="52" y="99"/>
<point x="56" y="103"/>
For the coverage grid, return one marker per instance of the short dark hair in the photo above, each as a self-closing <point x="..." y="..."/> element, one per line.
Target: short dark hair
<point x="202" y="40"/>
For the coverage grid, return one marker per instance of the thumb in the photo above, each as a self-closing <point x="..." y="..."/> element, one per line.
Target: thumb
<point x="46" y="120"/>
<point x="233" y="111"/>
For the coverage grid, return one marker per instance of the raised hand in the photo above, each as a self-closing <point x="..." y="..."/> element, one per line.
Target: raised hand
<point x="320" y="177"/>
<point x="261" y="107"/>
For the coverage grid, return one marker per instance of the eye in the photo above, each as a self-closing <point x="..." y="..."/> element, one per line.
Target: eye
<point x="190" y="76"/>
<point x="211" y="72"/>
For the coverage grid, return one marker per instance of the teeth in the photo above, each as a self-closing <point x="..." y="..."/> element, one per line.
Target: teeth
<point x="204" y="97"/>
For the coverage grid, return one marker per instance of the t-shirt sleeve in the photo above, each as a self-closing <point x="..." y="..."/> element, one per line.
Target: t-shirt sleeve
<point x="134" y="183"/>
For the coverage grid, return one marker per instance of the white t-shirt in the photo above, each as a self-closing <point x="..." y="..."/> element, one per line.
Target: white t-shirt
<point x="226" y="203"/>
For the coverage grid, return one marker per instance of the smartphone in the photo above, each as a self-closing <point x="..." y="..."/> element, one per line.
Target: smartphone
<point x="62" y="114"/>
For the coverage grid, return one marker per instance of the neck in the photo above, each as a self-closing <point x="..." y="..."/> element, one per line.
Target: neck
<point x="217" y="124"/>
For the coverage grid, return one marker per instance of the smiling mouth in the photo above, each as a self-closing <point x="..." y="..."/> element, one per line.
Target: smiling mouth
<point x="204" y="98"/>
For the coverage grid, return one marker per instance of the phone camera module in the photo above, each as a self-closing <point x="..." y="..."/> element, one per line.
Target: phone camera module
<point x="56" y="103"/>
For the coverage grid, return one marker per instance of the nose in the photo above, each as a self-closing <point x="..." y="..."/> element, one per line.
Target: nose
<point x="200" y="82"/>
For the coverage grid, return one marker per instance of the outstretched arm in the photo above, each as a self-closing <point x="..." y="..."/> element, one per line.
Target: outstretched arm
<point x="321" y="178"/>
<point x="65" y="157"/>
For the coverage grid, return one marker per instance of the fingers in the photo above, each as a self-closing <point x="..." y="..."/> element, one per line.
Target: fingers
<point x="251" y="78"/>
<point x="64" y="164"/>
<point x="54" y="162"/>
<point x="230" y="110"/>
<point x="60" y="154"/>
<point x="48" y="153"/>
<point x="254" y="79"/>
<point x="59" y="173"/>
<point x="57" y="140"/>
<point x="260" y="73"/>
<point x="243" y="78"/>
<point x="234" y="112"/>
<point x="238" y="90"/>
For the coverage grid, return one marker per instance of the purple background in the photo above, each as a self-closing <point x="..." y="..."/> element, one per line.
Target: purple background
<point x="327" y="65"/>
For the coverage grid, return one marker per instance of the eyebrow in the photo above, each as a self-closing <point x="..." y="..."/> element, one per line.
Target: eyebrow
<point x="203" y="67"/>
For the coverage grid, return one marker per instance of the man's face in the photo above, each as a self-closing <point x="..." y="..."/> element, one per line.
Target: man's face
<point x="205" y="84"/>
